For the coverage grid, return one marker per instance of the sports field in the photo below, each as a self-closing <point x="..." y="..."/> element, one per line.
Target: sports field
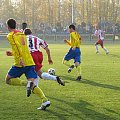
<point x="95" y="97"/>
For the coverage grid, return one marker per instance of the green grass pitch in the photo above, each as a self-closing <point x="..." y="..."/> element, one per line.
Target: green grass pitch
<point x="96" y="97"/>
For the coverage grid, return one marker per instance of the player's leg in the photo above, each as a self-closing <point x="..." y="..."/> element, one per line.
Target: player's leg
<point x="96" y="46"/>
<point x="66" y="62"/>
<point x="32" y="76"/>
<point x="78" y="67"/>
<point x="38" y="58"/>
<point x="40" y="94"/>
<point x="38" y="65"/>
<point x="66" y="59"/>
<point x="12" y="78"/>
<point x="77" y="61"/>
<point x="47" y="76"/>
<point x="107" y="52"/>
<point x="36" y="90"/>
<point x="36" y="81"/>
<point x="104" y="47"/>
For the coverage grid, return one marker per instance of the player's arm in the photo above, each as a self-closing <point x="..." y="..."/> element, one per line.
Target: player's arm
<point x="49" y="55"/>
<point x="96" y="33"/>
<point x="44" y="45"/>
<point x="9" y="53"/>
<point x="67" y="41"/>
<point x="103" y="33"/>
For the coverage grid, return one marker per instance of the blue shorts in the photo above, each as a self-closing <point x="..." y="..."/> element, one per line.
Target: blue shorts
<point x="73" y="54"/>
<point x="29" y="71"/>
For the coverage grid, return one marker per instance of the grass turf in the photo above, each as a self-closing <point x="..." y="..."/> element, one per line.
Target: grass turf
<point x="96" y="97"/>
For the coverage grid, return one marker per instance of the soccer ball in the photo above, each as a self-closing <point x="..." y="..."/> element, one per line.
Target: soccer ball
<point x="51" y="71"/>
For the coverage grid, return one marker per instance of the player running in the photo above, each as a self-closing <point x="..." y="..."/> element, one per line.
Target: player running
<point x="24" y="63"/>
<point x="74" y="51"/>
<point x="100" y="35"/>
<point x="34" y="44"/>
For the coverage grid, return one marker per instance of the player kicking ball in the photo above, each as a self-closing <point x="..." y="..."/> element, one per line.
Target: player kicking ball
<point x="100" y="35"/>
<point x="35" y="44"/>
<point x="74" y="51"/>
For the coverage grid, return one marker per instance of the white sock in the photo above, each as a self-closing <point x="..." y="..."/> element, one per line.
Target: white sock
<point x="47" y="76"/>
<point x="28" y="84"/>
<point x="96" y="46"/>
<point x="36" y="81"/>
<point x="105" y="50"/>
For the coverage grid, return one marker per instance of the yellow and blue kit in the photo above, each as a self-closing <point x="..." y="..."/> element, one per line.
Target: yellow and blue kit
<point x="20" y="51"/>
<point x="74" y="42"/>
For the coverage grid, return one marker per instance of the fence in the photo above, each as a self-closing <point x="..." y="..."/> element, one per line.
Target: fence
<point x="86" y="38"/>
<point x="58" y="38"/>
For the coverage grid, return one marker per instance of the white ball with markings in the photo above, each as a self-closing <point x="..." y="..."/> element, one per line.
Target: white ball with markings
<point x="51" y="71"/>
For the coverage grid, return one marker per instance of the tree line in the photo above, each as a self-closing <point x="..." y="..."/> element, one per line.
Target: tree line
<point x="60" y="13"/>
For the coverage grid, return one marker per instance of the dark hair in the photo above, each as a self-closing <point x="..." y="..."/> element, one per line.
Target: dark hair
<point x="11" y="23"/>
<point x="24" y="25"/>
<point x="27" y="31"/>
<point x="72" y="26"/>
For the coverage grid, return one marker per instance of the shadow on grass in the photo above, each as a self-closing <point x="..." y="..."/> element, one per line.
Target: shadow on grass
<point x="112" y="111"/>
<point x="80" y="111"/>
<point x="93" y="83"/>
<point x="66" y="77"/>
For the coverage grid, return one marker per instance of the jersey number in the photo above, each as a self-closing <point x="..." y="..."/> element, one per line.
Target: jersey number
<point x="30" y="43"/>
<point x="33" y="43"/>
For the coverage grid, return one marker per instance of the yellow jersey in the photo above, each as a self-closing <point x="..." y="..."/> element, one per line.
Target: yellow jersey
<point x="75" y="40"/>
<point x="20" y="50"/>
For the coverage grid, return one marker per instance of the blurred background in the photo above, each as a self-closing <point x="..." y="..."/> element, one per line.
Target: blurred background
<point x="50" y="19"/>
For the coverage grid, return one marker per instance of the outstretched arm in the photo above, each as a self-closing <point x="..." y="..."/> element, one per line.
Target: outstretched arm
<point x="49" y="55"/>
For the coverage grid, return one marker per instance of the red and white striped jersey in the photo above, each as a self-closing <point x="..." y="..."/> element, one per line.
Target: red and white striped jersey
<point x="100" y="34"/>
<point x="22" y="30"/>
<point x="34" y="43"/>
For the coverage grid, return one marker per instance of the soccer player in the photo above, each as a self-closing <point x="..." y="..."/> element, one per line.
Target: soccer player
<point x="74" y="51"/>
<point x="23" y="63"/>
<point x="34" y="44"/>
<point x="24" y="25"/>
<point x="100" y="35"/>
